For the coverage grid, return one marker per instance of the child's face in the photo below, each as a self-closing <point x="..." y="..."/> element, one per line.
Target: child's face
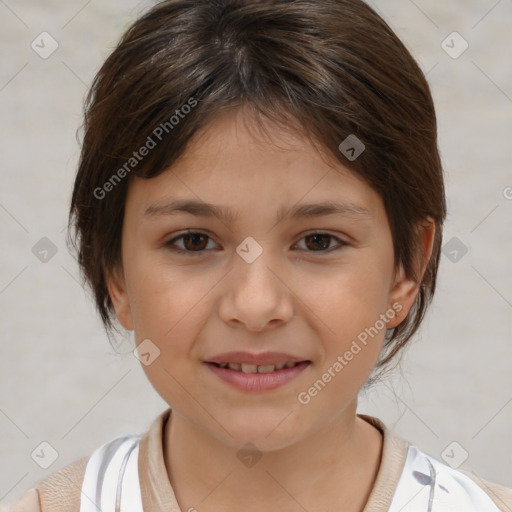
<point x="307" y="297"/>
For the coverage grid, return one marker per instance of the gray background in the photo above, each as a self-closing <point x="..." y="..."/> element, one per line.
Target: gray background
<point x="60" y="380"/>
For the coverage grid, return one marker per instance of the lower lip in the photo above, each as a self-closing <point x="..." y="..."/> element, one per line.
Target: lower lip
<point x="258" y="381"/>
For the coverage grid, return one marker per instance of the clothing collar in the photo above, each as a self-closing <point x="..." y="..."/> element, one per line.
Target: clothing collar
<point x="157" y="492"/>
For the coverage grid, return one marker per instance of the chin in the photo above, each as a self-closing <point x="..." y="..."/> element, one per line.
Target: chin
<point x="268" y="431"/>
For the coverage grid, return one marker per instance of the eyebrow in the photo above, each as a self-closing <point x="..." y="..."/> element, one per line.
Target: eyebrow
<point x="309" y="210"/>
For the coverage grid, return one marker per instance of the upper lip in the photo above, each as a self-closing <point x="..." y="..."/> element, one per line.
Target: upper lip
<point x="261" y="359"/>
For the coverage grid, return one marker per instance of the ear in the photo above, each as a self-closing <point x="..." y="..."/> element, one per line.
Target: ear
<point x="117" y="290"/>
<point x="405" y="289"/>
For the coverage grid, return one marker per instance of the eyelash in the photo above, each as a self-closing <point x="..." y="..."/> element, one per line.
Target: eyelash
<point x="171" y="243"/>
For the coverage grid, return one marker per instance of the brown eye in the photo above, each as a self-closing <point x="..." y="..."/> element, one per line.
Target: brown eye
<point x="193" y="243"/>
<point x="320" y="242"/>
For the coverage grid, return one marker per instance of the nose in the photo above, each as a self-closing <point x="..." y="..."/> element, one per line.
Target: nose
<point x="256" y="295"/>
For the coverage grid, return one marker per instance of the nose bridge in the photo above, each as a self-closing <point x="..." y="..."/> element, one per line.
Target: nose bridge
<point x="253" y="266"/>
<point x="256" y="295"/>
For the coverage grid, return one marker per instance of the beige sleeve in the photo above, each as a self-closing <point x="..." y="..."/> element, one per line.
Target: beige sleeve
<point x="501" y="495"/>
<point x="61" y="491"/>
<point x="58" y="492"/>
<point x="29" y="502"/>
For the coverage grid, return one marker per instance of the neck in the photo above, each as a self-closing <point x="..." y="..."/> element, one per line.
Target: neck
<point x="335" y="467"/>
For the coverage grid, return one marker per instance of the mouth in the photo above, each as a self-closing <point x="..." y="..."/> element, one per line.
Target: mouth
<point x="257" y="378"/>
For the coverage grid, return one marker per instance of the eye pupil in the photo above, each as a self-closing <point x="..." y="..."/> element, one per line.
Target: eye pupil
<point x="193" y="237"/>
<point x="324" y="245"/>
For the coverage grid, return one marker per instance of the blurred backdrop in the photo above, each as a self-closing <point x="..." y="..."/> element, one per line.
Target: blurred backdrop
<point x="63" y="389"/>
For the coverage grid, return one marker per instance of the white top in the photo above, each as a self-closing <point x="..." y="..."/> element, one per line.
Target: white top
<point x="111" y="483"/>
<point x="111" y="479"/>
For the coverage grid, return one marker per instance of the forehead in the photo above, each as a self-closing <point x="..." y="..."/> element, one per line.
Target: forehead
<point x="234" y="160"/>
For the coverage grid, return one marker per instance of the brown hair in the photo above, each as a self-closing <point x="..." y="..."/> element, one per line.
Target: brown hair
<point x="330" y="68"/>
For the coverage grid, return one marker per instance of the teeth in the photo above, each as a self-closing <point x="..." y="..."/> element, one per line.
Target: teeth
<point x="266" y="369"/>
<point x="253" y="368"/>
<point x="249" y="368"/>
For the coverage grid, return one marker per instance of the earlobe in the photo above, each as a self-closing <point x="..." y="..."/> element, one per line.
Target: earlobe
<point x="116" y="285"/>
<point x="405" y="289"/>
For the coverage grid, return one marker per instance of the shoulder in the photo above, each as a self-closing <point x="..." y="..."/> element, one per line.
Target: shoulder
<point x="62" y="489"/>
<point x="410" y="480"/>
<point x="501" y="495"/>
<point x="29" y="502"/>
<point x="424" y="478"/>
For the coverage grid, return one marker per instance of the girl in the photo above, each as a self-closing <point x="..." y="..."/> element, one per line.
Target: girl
<point x="260" y="199"/>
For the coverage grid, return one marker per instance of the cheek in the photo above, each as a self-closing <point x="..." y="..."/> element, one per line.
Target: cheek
<point x="349" y="306"/>
<point x="167" y="309"/>
<point x="349" y="298"/>
<point x="168" y="305"/>
<point x="352" y="342"/>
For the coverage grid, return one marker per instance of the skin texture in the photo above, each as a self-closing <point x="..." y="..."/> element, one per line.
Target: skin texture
<point x="293" y="298"/>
